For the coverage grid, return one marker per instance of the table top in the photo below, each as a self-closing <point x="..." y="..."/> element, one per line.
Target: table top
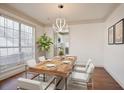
<point x="61" y="66"/>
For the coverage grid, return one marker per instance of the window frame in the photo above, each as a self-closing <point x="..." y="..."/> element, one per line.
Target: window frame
<point x="19" y="38"/>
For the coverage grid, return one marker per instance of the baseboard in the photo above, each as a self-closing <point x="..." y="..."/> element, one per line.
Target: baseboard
<point x="10" y="73"/>
<point x="114" y="77"/>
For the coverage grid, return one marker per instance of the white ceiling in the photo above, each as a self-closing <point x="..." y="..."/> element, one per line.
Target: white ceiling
<point x="46" y="13"/>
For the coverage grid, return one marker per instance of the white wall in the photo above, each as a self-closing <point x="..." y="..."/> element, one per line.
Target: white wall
<point x="114" y="54"/>
<point x="49" y="32"/>
<point x="86" y="40"/>
<point x="38" y="33"/>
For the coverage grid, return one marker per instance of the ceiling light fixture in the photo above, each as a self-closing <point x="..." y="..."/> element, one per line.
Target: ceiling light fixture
<point x="60" y="25"/>
<point x="60" y="6"/>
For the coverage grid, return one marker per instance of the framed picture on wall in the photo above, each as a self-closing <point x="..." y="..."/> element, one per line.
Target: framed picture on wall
<point x="111" y="35"/>
<point x="119" y="32"/>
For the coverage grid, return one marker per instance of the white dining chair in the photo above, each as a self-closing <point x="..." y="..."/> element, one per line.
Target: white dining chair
<point x="30" y="63"/>
<point x="79" y="68"/>
<point x="33" y="63"/>
<point x="28" y="84"/>
<point x="83" y="78"/>
<point x="42" y="58"/>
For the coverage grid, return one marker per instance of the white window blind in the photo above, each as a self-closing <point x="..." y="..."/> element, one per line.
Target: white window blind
<point x="16" y="43"/>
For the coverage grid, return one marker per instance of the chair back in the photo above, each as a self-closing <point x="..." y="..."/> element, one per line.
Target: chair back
<point x="28" y="84"/>
<point x="89" y="72"/>
<point x="42" y="58"/>
<point x="90" y="68"/>
<point x="31" y="63"/>
<point x="88" y="63"/>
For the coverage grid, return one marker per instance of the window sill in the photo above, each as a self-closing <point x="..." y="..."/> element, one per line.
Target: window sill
<point x="12" y="68"/>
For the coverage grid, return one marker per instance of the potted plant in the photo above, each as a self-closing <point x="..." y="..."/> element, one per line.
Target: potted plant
<point x="61" y="51"/>
<point x="44" y="43"/>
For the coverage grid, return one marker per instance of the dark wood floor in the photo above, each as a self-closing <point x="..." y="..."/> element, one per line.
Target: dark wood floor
<point x="102" y="81"/>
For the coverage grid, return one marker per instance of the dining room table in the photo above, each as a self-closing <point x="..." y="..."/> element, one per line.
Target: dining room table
<point x="59" y="66"/>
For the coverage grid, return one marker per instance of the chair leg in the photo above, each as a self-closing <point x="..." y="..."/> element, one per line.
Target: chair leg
<point x="26" y="71"/>
<point x="26" y="74"/>
<point x="18" y="88"/>
<point x="87" y="85"/>
<point x="92" y="84"/>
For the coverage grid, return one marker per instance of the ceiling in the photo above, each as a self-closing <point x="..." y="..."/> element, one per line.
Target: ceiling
<point x="74" y="13"/>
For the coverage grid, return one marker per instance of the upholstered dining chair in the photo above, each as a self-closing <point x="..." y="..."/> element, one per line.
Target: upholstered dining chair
<point x="83" y="78"/>
<point x="31" y="63"/>
<point x="41" y="59"/>
<point x="79" y="68"/>
<point x="28" y="84"/>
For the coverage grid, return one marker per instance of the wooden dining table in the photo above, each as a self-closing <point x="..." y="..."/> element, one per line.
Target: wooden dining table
<point x="62" y="67"/>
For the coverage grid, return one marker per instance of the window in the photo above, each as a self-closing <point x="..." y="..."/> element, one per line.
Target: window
<point x="16" y="43"/>
<point x="26" y="41"/>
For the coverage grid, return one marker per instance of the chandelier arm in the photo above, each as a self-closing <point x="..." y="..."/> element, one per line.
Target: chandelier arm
<point x="63" y="23"/>
<point x="54" y="27"/>
<point x="57" y="20"/>
<point x="60" y="23"/>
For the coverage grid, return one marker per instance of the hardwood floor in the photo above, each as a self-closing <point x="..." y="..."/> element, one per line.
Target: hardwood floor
<point x="102" y="81"/>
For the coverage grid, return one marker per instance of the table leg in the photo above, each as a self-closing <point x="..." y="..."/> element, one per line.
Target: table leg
<point x="58" y="80"/>
<point x="66" y="82"/>
<point x="26" y="71"/>
<point x="56" y="83"/>
<point x="44" y="77"/>
<point x="25" y="74"/>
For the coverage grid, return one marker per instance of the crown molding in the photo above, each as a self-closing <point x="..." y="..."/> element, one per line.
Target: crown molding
<point x="18" y="13"/>
<point x="116" y="5"/>
<point x="11" y="9"/>
<point x="88" y="21"/>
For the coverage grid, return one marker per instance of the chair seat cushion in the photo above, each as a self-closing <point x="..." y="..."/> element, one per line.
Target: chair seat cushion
<point x="81" y="77"/>
<point x="35" y="85"/>
<point x="45" y="84"/>
<point x="77" y="68"/>
<point x="29" y="84"/>
<point x="51" y="87"/>
<point x="48" y="85"/>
